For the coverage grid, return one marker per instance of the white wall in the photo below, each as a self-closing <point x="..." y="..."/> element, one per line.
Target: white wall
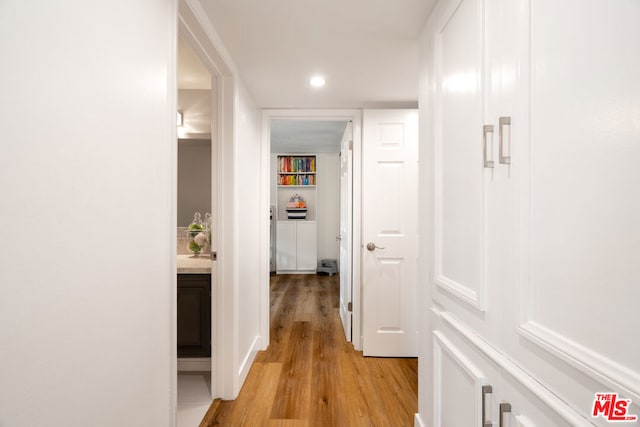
<point x="87" y="207"/>
<point x="247" y="223"/>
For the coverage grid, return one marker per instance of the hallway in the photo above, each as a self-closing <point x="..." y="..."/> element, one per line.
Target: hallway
<point x="310" y="376"/>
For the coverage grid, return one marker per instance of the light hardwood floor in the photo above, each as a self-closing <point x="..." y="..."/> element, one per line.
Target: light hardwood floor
<point x="311" y="376"/>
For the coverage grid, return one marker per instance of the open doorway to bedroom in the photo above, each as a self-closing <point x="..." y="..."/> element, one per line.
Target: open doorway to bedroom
<point x="311" y="169"/>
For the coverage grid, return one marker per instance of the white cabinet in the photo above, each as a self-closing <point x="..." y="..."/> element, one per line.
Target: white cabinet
<point x="296" y="247"/>
<point x="531" y="235"/>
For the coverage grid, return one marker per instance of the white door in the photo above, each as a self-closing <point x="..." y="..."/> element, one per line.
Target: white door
<point x="389" y="232"/>
<point x="345" y="237"/>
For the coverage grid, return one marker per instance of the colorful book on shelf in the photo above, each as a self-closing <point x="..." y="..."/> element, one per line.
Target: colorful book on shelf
<point x="293" y="164"/>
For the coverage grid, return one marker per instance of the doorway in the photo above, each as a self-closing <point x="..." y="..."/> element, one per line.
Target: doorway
<point x="195" y="204"/>
<point x="313" y="136"/>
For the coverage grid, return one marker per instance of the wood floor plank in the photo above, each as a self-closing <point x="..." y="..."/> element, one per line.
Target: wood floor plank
<point x="310" y="376"/>
<point x="294" y="388"/>
<point x="288" y="423"/>
<point x="254" y="403"/>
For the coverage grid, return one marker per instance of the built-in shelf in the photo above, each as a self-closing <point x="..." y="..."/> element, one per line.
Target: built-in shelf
<point x="296" y="232"/>
<point x="296" y="171"/>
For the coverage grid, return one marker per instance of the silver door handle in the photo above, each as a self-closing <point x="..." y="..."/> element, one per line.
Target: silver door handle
<point x="485" y="130"/>
<point x="504" y="407"/>
<point x="486" y="389"/>
<point x="338" y="238"/>
<point x="504" y="160"/>
<point x="372" y="246"/>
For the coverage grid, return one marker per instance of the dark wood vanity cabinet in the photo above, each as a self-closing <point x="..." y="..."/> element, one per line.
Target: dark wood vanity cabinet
<point x="194" y="315"/>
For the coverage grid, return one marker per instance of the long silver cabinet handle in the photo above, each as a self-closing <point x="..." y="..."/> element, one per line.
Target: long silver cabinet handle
<point x="504" y="407"/>
<point x="485" y="130"/>
<point x="504" y="121"/>
<point x="486" y="389"/>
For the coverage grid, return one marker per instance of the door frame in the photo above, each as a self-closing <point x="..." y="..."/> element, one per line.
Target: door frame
<point x="199" y="35"/>
<point x="355" y="115"/>
<point x="346" y="237"/>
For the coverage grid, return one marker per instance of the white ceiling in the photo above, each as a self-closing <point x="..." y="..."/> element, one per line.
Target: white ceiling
<point x="306" y="136"/>
<point x="366" y="49"/>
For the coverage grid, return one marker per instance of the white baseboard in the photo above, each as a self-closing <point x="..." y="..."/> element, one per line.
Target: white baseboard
<point x="417" y="422"/>
<point x="246" y="364"/>
<point x="296" y="272"/>
<point x="192" y="364"/>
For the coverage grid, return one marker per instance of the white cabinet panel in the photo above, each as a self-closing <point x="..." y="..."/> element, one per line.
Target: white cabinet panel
<point x="527" y="409"/>
<point x="286" y="246"/>
<point x="459" y="200"/>
<point x="457" y="386"/>
<point x="306" y="246"/>
<point x="296" y="247"/>
<point x="584" y="151"/>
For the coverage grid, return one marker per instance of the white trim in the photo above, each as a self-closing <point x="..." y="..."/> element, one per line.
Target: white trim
<point x="220" y="57"/>
<point x="355" y="115"/>
<point x="544" y="394"/>
<point x="172" y="105"/>
<point x="522" y="421"/>
<point x="247" y="362"/>
<point x="440" y="342"/>
<point x="296" y="272"/>
<point x="265" y="233"/>
<point x="587" y="361"/>
<point x="417" y="421"/>
<point x="195" y="364"/>
<point x="462" y="292"/>
<point x="265" y="242"/>
<point x="356" y="242"/>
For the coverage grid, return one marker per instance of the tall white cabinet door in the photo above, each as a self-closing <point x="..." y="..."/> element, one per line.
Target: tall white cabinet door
<point x="286" y="246"/>
<point x="306" y="243"/>
<point x="580" y="204"/>
<point x="464" y="161"/>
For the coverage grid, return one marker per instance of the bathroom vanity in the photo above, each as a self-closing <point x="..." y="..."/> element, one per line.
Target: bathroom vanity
<point x="194" y="306"/>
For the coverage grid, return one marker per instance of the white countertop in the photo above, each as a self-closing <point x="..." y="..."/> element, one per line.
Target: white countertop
<point x="190" y="264"/>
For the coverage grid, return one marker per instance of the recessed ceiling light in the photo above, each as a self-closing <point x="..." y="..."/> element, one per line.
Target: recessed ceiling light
<point x="317" y="81"/>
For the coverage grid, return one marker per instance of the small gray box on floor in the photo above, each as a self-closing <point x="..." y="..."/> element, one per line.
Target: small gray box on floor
<point x="327" y="266"/>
